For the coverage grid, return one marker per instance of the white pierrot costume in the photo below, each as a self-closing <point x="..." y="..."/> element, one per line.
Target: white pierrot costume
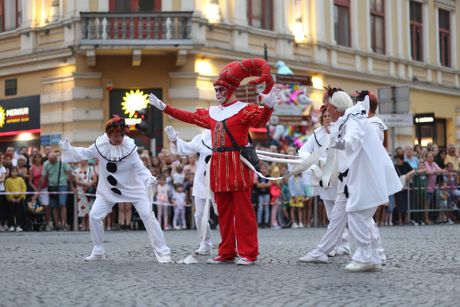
<point x="122" y="178"/>
<point x="201" y="144"/>
<point x="379" y="126"/>
<point x="371" y="176"/>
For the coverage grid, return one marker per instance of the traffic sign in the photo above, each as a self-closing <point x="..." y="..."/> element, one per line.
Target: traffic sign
<point x="397" y="120"/>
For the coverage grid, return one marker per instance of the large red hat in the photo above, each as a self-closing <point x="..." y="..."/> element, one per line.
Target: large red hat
<point x="233" y="73"/>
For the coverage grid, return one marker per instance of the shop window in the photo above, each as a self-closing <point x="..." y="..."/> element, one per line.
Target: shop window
<point x="134" y="6"/>
<point x="378" y="26"/>
<point x="416" y="30"/>
<point x="342" y="22"/>
<point x="444" y="37"/>
<point x="260" y="14"/>
<point x="11" y="87"/>
<point x="429" y="129"/>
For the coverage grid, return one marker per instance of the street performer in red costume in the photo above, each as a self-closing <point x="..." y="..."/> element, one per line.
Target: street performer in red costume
<point x="231" y="180"/>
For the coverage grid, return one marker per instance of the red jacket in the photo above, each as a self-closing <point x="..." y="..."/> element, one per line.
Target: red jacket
<point x="228" y="173"/>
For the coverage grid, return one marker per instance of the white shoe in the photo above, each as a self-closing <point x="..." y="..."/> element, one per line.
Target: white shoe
<point x="11" y="229"/>
<point x="311" y="259"/>
<point x="301" y="225"/>
<point x="18" y="229"/>
<point x="332" y="253"/>
<point x="93" y="257"/>
<point x="1" y="228"/>
<point x="5" y="227"/>
<point x="203" y="251"/>
<point x="355" y="266"/>
<point x="245" y="261"/>
<point x="163" y="258"/>
<point x="295" y="225"/>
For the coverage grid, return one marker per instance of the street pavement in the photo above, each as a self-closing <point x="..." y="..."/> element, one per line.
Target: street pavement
<point x="47" y="269"/>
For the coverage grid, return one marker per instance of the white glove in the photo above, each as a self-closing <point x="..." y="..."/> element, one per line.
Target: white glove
<point x="271" y="99"/>
<point x="151" y="181"/>
<point x="64" y="144"/>
<point x="171" y="133"/>
<point x="157" y="103"/>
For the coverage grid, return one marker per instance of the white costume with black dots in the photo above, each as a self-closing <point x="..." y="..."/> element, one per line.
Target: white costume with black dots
<point x="122" y="178"/>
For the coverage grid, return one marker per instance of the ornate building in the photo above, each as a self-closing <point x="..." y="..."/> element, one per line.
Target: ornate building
<point x="73" y="63"/>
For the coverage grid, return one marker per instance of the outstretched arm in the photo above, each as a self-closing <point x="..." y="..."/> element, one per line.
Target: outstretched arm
<point x="76" y="154"/>
<point x="200" y="117"/>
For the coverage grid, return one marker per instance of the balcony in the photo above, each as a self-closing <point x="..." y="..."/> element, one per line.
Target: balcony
<point x="138" y="29"/>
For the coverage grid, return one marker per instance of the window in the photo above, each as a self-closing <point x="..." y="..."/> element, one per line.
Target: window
<point x="342" y="22"/>
<point x="10" y="14"/>
<point x="416" y="31"/>
<point x="444" y="37"/>
<point x="134" y="5"/>
<point x="378" y="26"/>
<point x="260" y="14"/>
<point x="11" y="87"/>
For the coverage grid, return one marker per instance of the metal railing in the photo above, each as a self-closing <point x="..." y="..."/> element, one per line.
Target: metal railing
<point x="136" y="28"/>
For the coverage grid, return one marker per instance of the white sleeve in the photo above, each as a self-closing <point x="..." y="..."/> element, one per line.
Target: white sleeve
<point x="354" y="137"/>
<point x="141" y="170"/>
<point x="186" y="148"/>
<point x="308" y="147"/>
<point x="77" y="154"/>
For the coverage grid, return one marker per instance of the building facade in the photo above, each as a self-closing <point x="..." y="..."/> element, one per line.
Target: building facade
<point x="69" y="65"/>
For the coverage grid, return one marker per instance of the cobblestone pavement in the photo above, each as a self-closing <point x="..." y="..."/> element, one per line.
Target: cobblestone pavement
<point x="47" y="269"/>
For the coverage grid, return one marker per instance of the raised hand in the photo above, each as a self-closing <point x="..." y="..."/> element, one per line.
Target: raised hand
<point x="157" y="103"/>
<point x="171" y="133"/>
<point x="271" y="99"/>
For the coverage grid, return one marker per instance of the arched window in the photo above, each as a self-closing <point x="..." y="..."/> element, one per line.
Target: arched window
<point x="134" y="6"/>
<point x="260" y="14"/>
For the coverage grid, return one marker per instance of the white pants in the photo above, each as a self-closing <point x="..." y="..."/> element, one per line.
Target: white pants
<point x="199" y="207"/>
<point x="101" y="208"/>
<point x="329" y="204"/>
<point x="367" y="237"/>
<point x="335" y="229"/>
<point x="179" y="217"/>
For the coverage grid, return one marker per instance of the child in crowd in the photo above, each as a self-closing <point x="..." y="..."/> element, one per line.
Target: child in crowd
<point x="263" y="197"/>
<point x="15" y="184"/>
<point x="442" y="198"/>
<point x="296" y="190"/>
<point x="275" y="198"/>
<point x="178" y="177"/>
<point x="179" y="201"/>
<point x="162" y="200"/>
<point x="388" y="221"/>
<point x="3" y="205"/>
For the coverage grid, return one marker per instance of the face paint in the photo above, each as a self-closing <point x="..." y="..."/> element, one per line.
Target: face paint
<point x="221" y="94"/>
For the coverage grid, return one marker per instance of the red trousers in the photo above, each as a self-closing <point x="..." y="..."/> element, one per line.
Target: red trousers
<point x="237" y="225"/>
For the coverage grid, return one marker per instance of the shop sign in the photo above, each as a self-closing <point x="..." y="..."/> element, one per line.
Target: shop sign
<point x="50" y="139"/>
<point x="397" y="120"/>
<point x="20" y="114"/>
<point x="424" y="118"/>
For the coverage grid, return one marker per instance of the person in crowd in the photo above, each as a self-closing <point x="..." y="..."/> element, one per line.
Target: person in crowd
<point x="432" y="171"/>
<point x="178" y="176"/>
<point x="17" y="186"/>
<point x="389" y="212"/>
<point x="162" y="202"/>
<point x="263" y="198"/>
<point x="3" y="204"/>
<point x="23" y="169"/>
<point x="237" y="222"/>
<point x="451" y="179"/>
<point x="24" y="151"/>
<point x="191" y="166"/>
<point x="8" y="162"/>
<point x="275" y="198"/>
<point x="285" y="199"/>
<point x="14" y="156"/>
<point x="296" y="192"/>
<point x="58" y="174"/>
<point x="123" y="178"/>
<point x="85" y="178"/>
<point x="156" y="165"/>
<point x="440" y="157"/>
<point x="47" y="150"/>
<point x="35" y="174"/>
<point x="200" y="144"/>
<point x="419" y="196"/>
<point x="452" y="157"/>
<point x="418" y="151"/>
<point x="125" y="214"/>
<point x="410" y="157"/>
<point x="179" y="200"/>
<point x="405" y="173"/>
<point x="442" y="200"/>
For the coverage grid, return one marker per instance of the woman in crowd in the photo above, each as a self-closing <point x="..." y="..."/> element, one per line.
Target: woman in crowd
<point x="85" y="178"/>
<point x="35" y="174"/>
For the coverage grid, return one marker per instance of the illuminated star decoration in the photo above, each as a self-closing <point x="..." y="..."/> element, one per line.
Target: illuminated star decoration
<point x="134" y="101"/>
<point x="2" y="116"/>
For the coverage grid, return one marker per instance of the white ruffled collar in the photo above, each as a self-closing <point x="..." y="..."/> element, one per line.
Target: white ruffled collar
<point x="220" y="113"/>
<point x="377" y="120"/>
<point x="114" y="153"/>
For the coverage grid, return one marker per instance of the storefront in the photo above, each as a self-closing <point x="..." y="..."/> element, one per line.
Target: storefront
<point x="20" y="122"/>
<point x="128" y="103"/>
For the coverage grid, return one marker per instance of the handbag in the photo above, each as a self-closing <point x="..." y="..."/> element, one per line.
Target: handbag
<point x="248" y="152"/>
<point x="55" y="188"/>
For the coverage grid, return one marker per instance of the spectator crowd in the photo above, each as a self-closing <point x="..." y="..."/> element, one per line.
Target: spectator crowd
<point x="38" y="191"/>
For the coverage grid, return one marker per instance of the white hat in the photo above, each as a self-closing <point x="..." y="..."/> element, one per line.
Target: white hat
<point x="341" y="100"/>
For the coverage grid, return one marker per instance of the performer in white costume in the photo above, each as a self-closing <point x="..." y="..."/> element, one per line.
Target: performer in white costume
<point x="202" y="145"/>
<point x="368" y="178"/>
<point x="321" y="138"/>
<point x="122" y="178"/>
<point x="337" y="216"/>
